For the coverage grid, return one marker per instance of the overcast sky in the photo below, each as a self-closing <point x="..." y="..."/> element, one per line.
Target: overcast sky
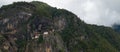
<point x="100" y="12"/>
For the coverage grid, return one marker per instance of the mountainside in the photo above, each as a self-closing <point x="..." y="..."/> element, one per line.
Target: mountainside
<point x="38" y="27"/>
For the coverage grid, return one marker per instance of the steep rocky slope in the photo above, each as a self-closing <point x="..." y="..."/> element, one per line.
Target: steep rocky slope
<point x="38" y="27"/>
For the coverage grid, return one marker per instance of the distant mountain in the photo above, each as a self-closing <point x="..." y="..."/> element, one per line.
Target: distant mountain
<point x="116" y="27"/>
<point x="37" y="27"/>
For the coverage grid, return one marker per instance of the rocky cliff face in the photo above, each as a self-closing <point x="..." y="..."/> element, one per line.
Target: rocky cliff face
<point x="22" y="30"/>
<point x="38" y="27"/>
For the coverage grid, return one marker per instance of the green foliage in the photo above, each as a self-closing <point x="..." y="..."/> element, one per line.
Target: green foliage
<point x="21" y="43"/>
<point x="1" y="39"/>
<point x="40" y="39"/>
<point x="42" y="9"/>
<point x="95" y="38"/>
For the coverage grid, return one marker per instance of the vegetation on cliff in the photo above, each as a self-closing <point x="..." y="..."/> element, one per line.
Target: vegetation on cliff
<point x="38" y="27"/>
